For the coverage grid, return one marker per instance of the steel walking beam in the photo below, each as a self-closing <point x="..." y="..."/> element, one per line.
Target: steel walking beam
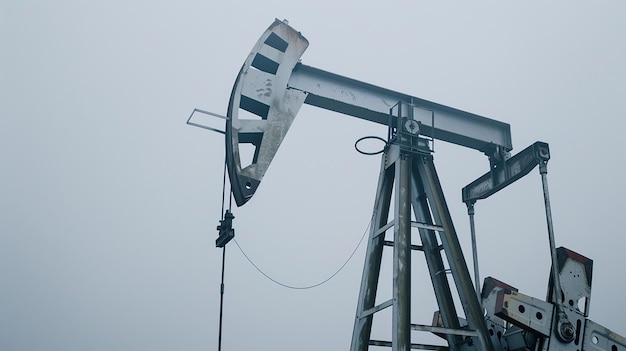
<point x="272" y="85"/>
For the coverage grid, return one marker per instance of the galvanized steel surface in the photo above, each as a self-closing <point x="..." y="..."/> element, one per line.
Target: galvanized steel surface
<point x="272" y="86"/>
<point x="366" y="101"/>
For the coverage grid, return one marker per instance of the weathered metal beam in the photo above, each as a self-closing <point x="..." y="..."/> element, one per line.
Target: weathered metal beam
<point x="366" y="101"/>
<point x="506" y="173"/>
<point x="401" y="292"/>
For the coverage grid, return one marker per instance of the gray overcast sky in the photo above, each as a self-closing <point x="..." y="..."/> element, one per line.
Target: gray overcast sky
<point x="109" y="202"/>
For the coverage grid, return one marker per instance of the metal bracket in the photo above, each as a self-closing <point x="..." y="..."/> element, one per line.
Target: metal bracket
<point x="526" y="312"/>
<point x="189" y="122"/>
<point x="225" y="230"/>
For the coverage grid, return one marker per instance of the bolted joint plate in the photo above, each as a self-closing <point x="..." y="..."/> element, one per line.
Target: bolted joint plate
<point x="525" y="312"/>
<point x="261" y="108"/>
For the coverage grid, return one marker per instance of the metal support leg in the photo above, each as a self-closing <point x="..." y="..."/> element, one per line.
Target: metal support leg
<point x="452" y="247"/>
<point x="401" y="324"/>
<point x="434" y="260"/>
<point x="371" y="269"/>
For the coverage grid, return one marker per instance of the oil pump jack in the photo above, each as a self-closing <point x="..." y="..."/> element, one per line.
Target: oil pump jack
<point x="268" y="93"/>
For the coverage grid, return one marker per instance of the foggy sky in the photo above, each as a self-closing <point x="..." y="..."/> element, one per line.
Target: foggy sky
<point x="109" y="202"/>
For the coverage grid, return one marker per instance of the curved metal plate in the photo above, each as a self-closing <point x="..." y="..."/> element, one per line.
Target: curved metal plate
<point x="261" y="107"/>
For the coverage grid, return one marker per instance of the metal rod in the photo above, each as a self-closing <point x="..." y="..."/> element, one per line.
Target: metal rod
<point x="470" y="212"/>
<point x="556" y="298"/>
<point x="203" y="126"/>
<point x="219" y="338"/>
<point x="564" y="329"/>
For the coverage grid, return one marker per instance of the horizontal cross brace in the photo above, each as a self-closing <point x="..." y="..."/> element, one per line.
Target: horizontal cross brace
<point x="442" y="330"/>
<point x="420" y="225"/>
<point x="413" y="346"/>
<point x="413" y="247"/>
<point x="434" y="227"/>
<point x="375" y="309"/>
<point x="384" y="228"/>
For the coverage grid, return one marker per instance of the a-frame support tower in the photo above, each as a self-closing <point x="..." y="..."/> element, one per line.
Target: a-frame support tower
<point x="409" y="176"/>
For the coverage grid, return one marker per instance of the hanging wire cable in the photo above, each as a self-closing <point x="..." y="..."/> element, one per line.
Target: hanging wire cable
<point x="307" y="286"/>
<point x="356" y="145"/>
